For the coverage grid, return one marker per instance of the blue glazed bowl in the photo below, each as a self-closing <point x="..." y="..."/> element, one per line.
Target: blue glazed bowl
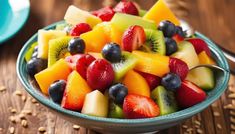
<point x="108" y="125"/>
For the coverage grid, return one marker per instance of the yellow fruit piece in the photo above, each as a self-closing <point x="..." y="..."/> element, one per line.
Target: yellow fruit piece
<point x="59" y="71"/>
<point x="136" y="84"/>
<point x="205" y="59"/>
<point x="155" y="64"/>
<point x="96" y="55"/>
<point x="160" y="12"/>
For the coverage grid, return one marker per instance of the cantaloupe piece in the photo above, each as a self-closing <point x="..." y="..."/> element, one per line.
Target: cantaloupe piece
<point x="205" y="59"/>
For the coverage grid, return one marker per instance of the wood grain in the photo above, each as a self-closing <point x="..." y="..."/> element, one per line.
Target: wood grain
<point x="213" y="18"/>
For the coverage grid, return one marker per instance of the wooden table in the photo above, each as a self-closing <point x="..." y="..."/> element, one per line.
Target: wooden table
<point x="213" y="18"/>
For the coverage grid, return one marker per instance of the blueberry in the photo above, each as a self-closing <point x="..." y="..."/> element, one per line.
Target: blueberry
<point x="112" y="52"/>
<point x="171" y="81"/>
<point x="56" y="90"/>
<point x="76" y="46"/>
<point x="36" y="65"/>
<point x="171" y="46"/>
<point x="117" y="93"/>
<point x="180" y="31"/>
<point x="167" y="28"/>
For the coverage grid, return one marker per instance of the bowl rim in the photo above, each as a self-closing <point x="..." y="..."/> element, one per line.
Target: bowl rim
<point x="182" y="114"/>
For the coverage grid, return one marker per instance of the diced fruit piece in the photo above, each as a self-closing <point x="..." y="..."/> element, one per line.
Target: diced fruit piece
<point x="152" y="80"/>
<point x="178" y="67"/>
<point x="160" y="12"/>
<point x="59" y="71"/>
<point x="105" y="14"/>
<point x="75" y="16"/>
<point x="76" y="46"/>
<point x="133" y="38"/>
<point x="96" y="55"/>
<point x="165" y="99"/>
<point x="205" y="59"/>
<point x="136" y="84"/>
<point x="123" y="21"/>
<point x="171" y="81"/>
<point x="171" y="46"/>
<point x="128" y="62"/>
<point x="57" y="49"/>
<point x="95" y="104"/>
<point x="118" y="92"/>
<point x="30" y="52"/>
<point x="79" y="29"/>
<point x="43" y="41"/>
<point x="187" y="54"/>
<point x="137" y="106"/>
<point x="56" y="90"/>
<point x="72" y="60"/>
<point x="112" y="52"/>
<point x="200" y="45"/>
<point x="127" y="7"/>
<point x="115" y="111"/>
<point x="202" y="77"/>
<point x="100" y="74"/>
<point x="75" y="92"/>
<point x="189" y="94"/>
<point x="36" y="65"/>
<point x="177" y="38"/>
<point x="154" y="64"/>
<point x="168" y="28"/>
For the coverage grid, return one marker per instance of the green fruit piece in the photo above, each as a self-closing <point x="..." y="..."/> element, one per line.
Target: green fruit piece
<point x="155" y="42"/>
<point x="127" y="63"/>
<point x="123" y="21"/>
<point x="165" y="99"/>
<point x="202" y="77"/>
<point x="115" y="111"/>
<point x="142" y="12"/>
<point x="61" y="26"/>
<point x="58" y="48"/>
<point x="29" y="53"/>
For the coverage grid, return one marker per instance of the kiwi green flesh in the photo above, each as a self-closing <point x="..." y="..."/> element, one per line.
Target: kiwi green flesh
<point x="58" y="48"/>
<point x="115" y="111"/>
<point x="165" y="100"/>
<point x="29" y="53"/>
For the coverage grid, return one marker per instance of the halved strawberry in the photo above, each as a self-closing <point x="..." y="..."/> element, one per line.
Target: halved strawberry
<point x="138" y="106"/>
<point x="72" y="60"/>
<point x="152" y="80"/>
<point x="178" y="67"/>
<point x="189" y="94"/>
<point x="127" y="7"/>
<point x="200" y="45"/>
<point x="133" y="38"/>
<point x="105" y="14"/>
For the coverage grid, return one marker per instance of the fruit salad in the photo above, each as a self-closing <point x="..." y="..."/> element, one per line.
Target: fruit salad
<point x="121" y="62"/>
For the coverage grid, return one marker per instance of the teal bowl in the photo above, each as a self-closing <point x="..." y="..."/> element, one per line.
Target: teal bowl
<point x="108" y="125"/>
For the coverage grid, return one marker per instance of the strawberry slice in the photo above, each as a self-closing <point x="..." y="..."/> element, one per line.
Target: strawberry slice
<point x="200" y="45"/>
<point x="178" y="67"/>
<point x="133" y="38"/>
<point x="138" y="106"/>
<point x="105" y="14"/>
<point x="189" y="94"/>
<point x="127" y="7"/>
<point x="152" y="80"/>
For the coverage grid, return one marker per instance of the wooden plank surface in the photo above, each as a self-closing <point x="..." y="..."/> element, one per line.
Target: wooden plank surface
<point x="213" y="18"/>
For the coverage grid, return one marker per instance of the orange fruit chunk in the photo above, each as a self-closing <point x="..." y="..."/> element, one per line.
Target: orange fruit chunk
<point x="205" y="59"/>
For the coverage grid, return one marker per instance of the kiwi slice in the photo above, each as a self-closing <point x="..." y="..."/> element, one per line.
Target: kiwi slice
<point x="128" y="62"/>
<point x="165" y="99"/>
<point x="58" y="48"/>
<point x="29" y="53"/>
<point x="115" y="111"/>
<point x="155" y="42"/>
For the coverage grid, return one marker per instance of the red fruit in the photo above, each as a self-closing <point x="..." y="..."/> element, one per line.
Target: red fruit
<point x="80" y="29"/>
<point x="152" y="80"/>
<point x="72" y="60"/>
<point x="126" y="7"/>
<point x="189" y="94"/>
<point x="82" y="64"/>
<point x="200" y="45"/>
<point x="100" y="74"/>
<point x="105" y="14"/>
<point x="178" y="38"/>
<point x="178" y="67"/>
<point x="133" y="38"/>
<point x="138" y="106"/>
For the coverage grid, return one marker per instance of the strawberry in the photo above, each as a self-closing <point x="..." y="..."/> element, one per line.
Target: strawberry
<point x="133" y="38"/>
<point x="177" y="38"/>
<point x="152" y="80"/>
<point x="100" y="74"/>
<point x="200" y="45"/>
<point x="138" y="106"/>
<point x="105" y="14"/>
<point x="80" y="29"/>
<point x="189" y="94"/>
<point x="127" y="7"/>
<point x="178" y="67"/>
<point x="72" y="60"/>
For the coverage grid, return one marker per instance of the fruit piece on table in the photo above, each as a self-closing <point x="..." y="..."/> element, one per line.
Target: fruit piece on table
<point x="76" y="46"/>
<point x="202" y="77"/>
<point x="187" y="54"/>
<point x="200" y="45"/>
<point x="160" y="12"/>
<point x="171" y="81"/>
<point x="30" y="51"/>
<point x="43" y="41"/>
<point x="168" y="28"/>
<point x="72" y="60"/>
<point x="178" y="67"/>
<point x="56" y="91"/>
<point x="35" y="65"/>
<point x="95" y="104"/>
<point x="152" y="80"/>
<point x="117" y="93"/>
<point x="123" y="21"/>
<point x="127" y="7"/>
<point x="136" y="84"/>
<point x="115" y="111"/>
<point x="189" y="94"/>
<point x="205" y="59"/>
<point x="165" y="100"/>
<point x="105" y="14"/>
<point x="154" y="64"/>
<point x="112" y="52"/>
<point x="75" y="92"/>
<point x="59" y="71"/>
<point x="137" y="106"/>
<point x="171" y="46"/>
<point x="79" y="29"/>
<point x="75" y="16"/>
